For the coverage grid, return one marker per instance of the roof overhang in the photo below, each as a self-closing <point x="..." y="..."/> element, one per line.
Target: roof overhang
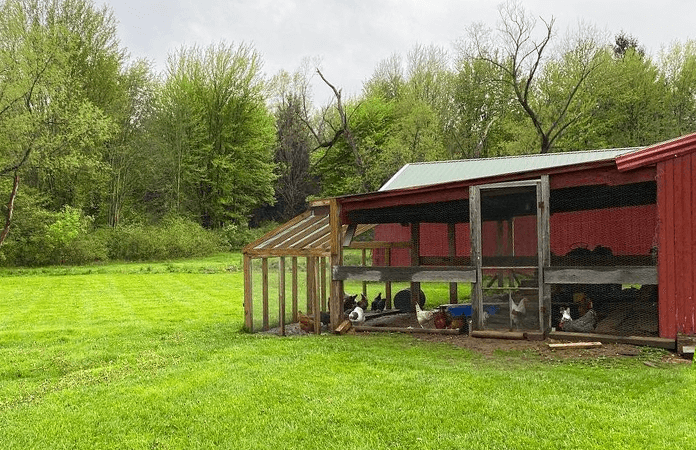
<point x="657" y="153"/>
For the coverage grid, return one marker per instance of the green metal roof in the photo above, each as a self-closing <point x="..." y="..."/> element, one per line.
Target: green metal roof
<point x="428" y="173"/>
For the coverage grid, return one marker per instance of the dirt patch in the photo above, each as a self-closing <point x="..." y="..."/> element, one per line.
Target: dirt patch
<point x="492" y="347"/>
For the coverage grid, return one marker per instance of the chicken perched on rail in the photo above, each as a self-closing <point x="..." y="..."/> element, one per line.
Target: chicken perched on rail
<point x="363" y="302"/>
<point x="379" y="303"/>
<point x="585" y="324"/>
<point x="423" y="316"/>
<point x="518" y="311"/>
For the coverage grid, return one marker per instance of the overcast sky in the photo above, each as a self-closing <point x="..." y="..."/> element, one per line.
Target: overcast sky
<point x="352" y="36"/>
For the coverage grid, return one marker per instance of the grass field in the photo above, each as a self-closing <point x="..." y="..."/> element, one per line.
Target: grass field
<point x="152" y="356"/>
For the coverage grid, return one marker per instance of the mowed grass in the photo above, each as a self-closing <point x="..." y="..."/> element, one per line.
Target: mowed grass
<point x="156" y="359"/>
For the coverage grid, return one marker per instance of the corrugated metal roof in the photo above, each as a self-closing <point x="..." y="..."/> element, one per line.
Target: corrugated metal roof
<point x="428" y="173"/>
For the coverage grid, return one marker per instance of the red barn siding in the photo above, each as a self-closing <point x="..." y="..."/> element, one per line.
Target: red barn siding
<point x="627" y="231"/>
<point x="677" y="251"/>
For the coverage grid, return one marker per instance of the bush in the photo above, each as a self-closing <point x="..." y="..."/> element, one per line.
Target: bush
<point x="173" y="238"/>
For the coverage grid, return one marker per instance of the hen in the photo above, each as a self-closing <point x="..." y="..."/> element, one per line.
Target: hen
<point x="423" y="316"/>
<point x="585" y="324"/>
<point x="518" y="311"/>
<point x="357" y="316"/>
<point x="378" y="303"/>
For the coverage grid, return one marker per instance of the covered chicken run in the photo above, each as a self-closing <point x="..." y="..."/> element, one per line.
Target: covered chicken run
<point x="609" y="231"/>
<point x="613" y="233"/>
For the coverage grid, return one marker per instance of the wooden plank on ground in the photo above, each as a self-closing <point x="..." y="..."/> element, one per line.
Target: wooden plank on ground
<point x="572" y="345"/>
<point x="666" y="343"/>
<point x="489" y="334"/>
<point x="406" y="330"/>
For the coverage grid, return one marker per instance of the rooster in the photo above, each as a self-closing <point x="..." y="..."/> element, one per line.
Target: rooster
<point x="379" y="303"/>
<point x="357" y="316"/>
<point x="423" y="316"/>
<point x="518" y="311"/>
<point x="363" y="302"/>
<point x="585" y="324"/>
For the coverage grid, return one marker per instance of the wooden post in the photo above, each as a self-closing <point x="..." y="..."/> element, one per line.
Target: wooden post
<point x="336" y="300"/>
<point x="294" y="289"/>
<point x="415" y="261"/>
<point x="317" y="300"/>
<point x="281" y="295"/>
<point x="364" y="263"/>
<point x="264" y="284"/>
<point x="544" y="250"/>
<point x="248" y="295"/>
<point x="387" y="285"/>
<point x="323" y="283"/>
<point x="476" y="256"/>
<point x="310" y="285"/>
<point x="452" y="247"/>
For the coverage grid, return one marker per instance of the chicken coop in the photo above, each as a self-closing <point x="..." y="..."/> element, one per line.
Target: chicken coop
<point x="607" y="235"/>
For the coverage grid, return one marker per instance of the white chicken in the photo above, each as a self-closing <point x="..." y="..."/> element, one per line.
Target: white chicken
<point x="423" y="316"/>
<point x="517" y="311"/>
<point x="357" y="316"/>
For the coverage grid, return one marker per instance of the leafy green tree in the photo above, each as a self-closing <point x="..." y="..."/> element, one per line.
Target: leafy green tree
<point x="52" y="128"/>
<point x="678" y="71"/>
<point x="223" y="165"/>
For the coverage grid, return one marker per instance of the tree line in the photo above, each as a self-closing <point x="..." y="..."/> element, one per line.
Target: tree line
<point x="94" y="144"/>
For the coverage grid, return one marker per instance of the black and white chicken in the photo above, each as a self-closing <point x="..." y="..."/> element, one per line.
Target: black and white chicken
<point x="357" y="316"/>
<point x="585" y="324"/>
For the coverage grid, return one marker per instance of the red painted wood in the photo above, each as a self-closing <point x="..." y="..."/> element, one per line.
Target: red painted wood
<point x="679" y="248"/>
<point x="692" y="259"/>
<point x="667" y="253"/>
<point x="675" y="148"/>
<point x="602" y="175"/>
<point x="665" y="325"/>
<point x="685" y="245"/>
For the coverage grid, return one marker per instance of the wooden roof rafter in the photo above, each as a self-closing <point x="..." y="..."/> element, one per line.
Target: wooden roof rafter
<point x="308" y="234"/>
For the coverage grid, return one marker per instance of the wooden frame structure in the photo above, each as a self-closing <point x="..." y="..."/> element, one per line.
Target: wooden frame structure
<point x="318" y="237"/>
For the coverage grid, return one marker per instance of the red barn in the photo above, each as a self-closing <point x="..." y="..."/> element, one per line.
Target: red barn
<point x="629" y="213"/>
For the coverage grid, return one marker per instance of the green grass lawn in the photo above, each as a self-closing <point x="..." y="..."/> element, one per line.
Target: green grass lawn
<point x="152" y="356"/>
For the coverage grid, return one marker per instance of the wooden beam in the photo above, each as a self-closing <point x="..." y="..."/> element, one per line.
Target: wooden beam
<point x="514" y="335"/>
<point x="412" y="274"/>
<point x="544" y="251"/>
<point x="601" y="275"/>
<point x="387" y="284"/>
<point x="415" y="261"/>
<point x="452" y="253"/>
<point x="248" y="295"/>
<point x="379" y="244"/>
<point x="278" y="252"/>
<point x="281" y="296"/>
<point x="295" y="289"/>
<point x="264" y="284"/>
<point x="406" y="330"/>
<point x="336" y="252"/>
<point x="476" y="256"/>
<point x="573" y="345"/>
<point x="364" y="264"/>
<point x="350" y="233"/>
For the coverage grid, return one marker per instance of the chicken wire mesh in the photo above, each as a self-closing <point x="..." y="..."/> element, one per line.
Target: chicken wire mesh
<point x="605" y="240"/>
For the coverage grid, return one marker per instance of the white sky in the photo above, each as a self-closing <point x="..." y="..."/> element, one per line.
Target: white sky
<point x="352" y="36"/>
